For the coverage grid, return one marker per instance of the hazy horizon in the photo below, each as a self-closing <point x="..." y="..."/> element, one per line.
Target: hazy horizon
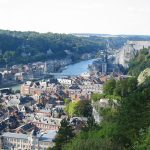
<point x="119" y="17"/>
<point x="11" y="30"/>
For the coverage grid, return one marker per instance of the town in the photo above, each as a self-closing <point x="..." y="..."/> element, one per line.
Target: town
<point x="74" y="75"/>
<point x="31" y="117"/>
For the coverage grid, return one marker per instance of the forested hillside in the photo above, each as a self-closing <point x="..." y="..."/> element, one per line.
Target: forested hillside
<point x="23" y="47"/>
<point x="125" y="126"/>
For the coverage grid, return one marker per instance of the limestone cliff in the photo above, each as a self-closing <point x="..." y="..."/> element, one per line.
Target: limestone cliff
<point x="143" y="75"/>
<point x="129" y="50"/>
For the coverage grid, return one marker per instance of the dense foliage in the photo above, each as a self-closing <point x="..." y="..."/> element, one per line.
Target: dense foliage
<point x="125" y="127"/>
<point x="79" y="108"/>
<point x="143" y="143"/>
<point x="114" y="42"/>
<point x="133" y="115"/>
<point x="23" y="47"/>
<point x="64" y="135"/>
<point x="96" y="97"/>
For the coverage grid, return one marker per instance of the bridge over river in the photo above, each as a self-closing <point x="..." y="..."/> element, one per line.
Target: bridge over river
<point x="71" y="70"/>
<point x="59" y="75"/>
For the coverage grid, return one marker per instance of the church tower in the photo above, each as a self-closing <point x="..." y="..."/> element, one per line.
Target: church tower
<point x="45" y="67"/>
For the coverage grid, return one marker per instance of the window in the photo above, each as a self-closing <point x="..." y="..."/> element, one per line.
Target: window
<point x="25" y="141"/>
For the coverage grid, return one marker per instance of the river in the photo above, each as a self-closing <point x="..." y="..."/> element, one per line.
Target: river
<point x="71" y="70"/>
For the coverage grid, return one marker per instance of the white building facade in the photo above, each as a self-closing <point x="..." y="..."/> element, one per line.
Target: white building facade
<point x="19" y="141"/>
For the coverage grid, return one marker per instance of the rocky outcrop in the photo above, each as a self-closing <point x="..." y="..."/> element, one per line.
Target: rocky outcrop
<point x="125" y="54"/>
<point x="143" y="75"/>
<point x="138" y="45"/>
<point x="129" y="50"/>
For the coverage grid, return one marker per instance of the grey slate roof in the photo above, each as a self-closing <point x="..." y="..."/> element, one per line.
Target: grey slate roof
<point x="46" y="137"/>
<point x="16" y="135"/>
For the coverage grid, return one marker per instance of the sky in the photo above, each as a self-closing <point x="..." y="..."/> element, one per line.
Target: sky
<point x="76" y="16"/>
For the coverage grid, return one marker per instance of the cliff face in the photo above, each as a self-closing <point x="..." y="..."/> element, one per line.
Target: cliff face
<point x="126" y="53"/>
<point x="129" y="50"/>
<point x="138" y="45"/>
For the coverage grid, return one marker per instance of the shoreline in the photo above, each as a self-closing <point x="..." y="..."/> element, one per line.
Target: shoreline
<point x="61" y="69"/>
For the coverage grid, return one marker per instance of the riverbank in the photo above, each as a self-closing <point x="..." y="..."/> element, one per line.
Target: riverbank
<point x="70" y="70"/>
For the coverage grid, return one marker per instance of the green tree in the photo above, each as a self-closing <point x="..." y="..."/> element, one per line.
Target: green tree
<point x="133" y="114"/>
<point x="64" y="135"/>
<point x="143" y="142"/>
<point x="125" y="86"/>
<point x="66" y="101"/>
<point x="109" y="87"/>
<point x="8" y="55"/>
<point x="96" y="96"/>
<point x="84" y="108"/>
<point x="71" y="108"/>
<point x="79" y="108"/>
<point x="121" y="126"/>
<point x="32" y="46"/>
